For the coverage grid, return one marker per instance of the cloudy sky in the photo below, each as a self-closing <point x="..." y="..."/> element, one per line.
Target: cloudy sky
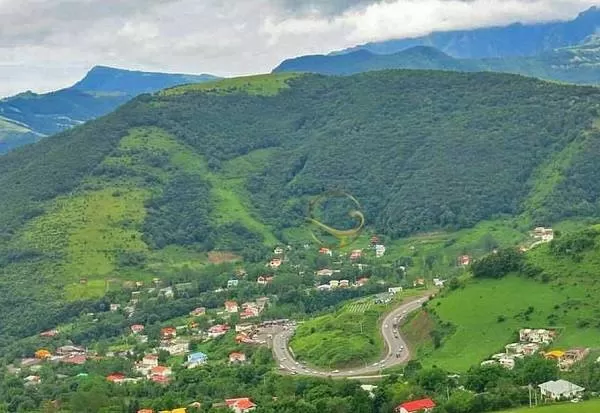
<point x="49" y="44"/>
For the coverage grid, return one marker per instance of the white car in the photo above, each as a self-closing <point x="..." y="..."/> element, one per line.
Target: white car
<point x="335" y="371"/>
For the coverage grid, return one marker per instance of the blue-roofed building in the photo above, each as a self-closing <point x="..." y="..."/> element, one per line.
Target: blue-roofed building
<point x="196" y="359"/>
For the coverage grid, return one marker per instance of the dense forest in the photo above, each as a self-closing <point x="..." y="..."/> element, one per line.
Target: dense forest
<point x="220" y="168"/>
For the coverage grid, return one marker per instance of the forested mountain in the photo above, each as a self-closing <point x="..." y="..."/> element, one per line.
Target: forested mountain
<point x="232" y="166"/>
<point x="27" y="117"/>
<point x="513" y="40"/>
<point x="578" y="64"/>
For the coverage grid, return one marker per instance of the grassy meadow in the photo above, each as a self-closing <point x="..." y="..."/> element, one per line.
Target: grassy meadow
<point x="592" y="406"/>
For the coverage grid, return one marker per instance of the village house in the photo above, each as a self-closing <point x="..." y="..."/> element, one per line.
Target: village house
<point x="198" y="311"/>
<point x="325" y="251"/>
<point x="137" y="328"/>
<point x="150" y="360"/>
<point x="573" y="356"/>
<point x="278" y="251"/>
<point x="237" y="358"/>
<point x="232" y="283"/>
<point x="274" y="263"/>
<point x="167" y="292"/>
<point x="264" y="280"/>
<point x="49" y="333"/>
<point x="438" y="283"/>
<point x="369" y="388"/>
<point x="464" y="260"/>
<point x="161" y="371"/>
<point x="334" y="283"/>
<point x="344" y="283"/>
<point x="420" y="406"/>
<point x="196" y="359"/>
<point x="231" y="307"/>
<point x="419" y="282"/>
<point x="379" y="250"/>
<point x="74" y="359"/>
<point x="145" y="411"/>
<point x="115" y="307"/>
<point x="176" y="348"/>
<point x="394" y="290"/>
<point x="69" y="350"/>
<point x="32" y="380"/>
<point x="324" y="287"/>
<point x="539" y="335"/>
<point x="168" y="333"/>
<point x="249" y="310"/>
<point x="43" y="354"/>
<point x="116" y="378"/>
<point x="241" y="405"/>
<point x="325" y="272"/>
<point x="218" y="330"/>
<point x="543" y="234"/>
<point x="356" y="254"/>
<point x="560" y="390"/>
<point x="362" y="281"/>
<point x="241" y="328"/>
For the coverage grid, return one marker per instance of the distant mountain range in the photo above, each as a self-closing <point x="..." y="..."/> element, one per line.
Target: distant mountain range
<point x="28" y="116"/>
<point x="578" y="64"/>
<point x="508" y="41"/>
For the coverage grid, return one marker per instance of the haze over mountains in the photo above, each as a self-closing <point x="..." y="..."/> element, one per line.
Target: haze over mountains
<point x="27" y="117"/>
<point x="563" y="51"/>
<point x="513" y="40"/>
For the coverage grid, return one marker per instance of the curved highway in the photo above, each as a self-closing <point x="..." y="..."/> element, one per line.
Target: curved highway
<point x="397" y="350"/>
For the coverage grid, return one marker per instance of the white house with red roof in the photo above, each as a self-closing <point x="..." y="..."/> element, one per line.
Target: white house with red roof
<point x="197" y="312"/>
<point x="150" y="360"/>
<point x="231" y="306"/>
<point x="235" y="358"/>
<point x="241" y="405"/>
<point x="420" y="406"/>
<point x="325" y="251"/>
<point x="275" y="263"/>
<point x="168" y="333"/>
<point x="218" y="330"/>
<point x="464" y="260"/>
<point x="137" y="328"/>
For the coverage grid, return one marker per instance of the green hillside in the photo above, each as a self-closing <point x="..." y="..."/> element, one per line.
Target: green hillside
<point x="231" y="166"/>
<point x="556" y="288"/>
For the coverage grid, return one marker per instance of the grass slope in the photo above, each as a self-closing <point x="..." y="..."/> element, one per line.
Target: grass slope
<point x="487" y="314"/>
<point x="264" y="85"/>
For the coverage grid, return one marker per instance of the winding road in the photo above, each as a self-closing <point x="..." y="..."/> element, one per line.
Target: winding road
<point x="397" y="350"/>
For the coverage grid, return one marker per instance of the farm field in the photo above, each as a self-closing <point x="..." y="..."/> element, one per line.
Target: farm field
<point x="592" y="406"/>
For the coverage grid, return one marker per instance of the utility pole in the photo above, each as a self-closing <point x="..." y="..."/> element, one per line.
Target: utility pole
<point x="530" y="404"/>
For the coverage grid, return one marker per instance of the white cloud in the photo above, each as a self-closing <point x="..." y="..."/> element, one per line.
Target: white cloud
<point x="48" y="44"/>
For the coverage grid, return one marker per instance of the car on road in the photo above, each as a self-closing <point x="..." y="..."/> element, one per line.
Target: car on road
<point x="351" y="372"/>
<point x="335" y="371"/>
<point x="386" y="326"/>
<point x="404" y="312"/>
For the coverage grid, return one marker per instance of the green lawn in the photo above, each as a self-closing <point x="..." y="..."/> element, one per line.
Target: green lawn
<point x="592" y="406"/>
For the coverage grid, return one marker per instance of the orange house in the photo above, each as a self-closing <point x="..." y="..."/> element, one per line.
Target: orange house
<point x="43" y="354"/>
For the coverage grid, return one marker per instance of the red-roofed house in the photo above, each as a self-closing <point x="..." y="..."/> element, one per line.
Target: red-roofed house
<point x="275" y="263"/>
<point x="116" y="378"/>
<point x="231" y="306"/>
<point x="237" y="357"/>
<point x="240" y="405"/>
<point x="150" y="360"/>
<point x="464" y="260"/>
<point x="137" y="328"/>
<point x="218" y="330"/>
<point x="362" y="281"/>
<point x="77" y="359"/>
<point x="161" y="371"/>
<point x="324" y="250"/>
<point x="160" y="379"/>
<point x="197" y="312"/>
<point x="168" y="332"/>
<point x="423" y="405"/>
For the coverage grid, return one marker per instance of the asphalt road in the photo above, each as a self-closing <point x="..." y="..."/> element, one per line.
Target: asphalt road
<point x="397" y="350"/>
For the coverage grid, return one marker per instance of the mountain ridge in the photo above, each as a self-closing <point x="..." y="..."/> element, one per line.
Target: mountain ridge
<point x="101" y="90"/>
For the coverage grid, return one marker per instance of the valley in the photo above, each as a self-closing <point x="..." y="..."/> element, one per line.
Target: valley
<point x="174" y="254"/>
